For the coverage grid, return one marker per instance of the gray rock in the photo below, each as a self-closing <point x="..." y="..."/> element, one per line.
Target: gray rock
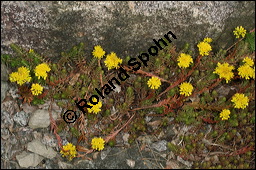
<point x="4" y="79"/>
<point x="41" y="119"/>
<point x="26" y="159"/>
<point x="37" y="147"/>
<point x="130" y="163"/>
<point x="4" y="88"/>
<point x="6" y="120"/>
<point x="125" y="27"/>
<point x="104" y="153"/>
<point x="117" y="159"/>
<point x="160" y="145"/>
<point x="64" y="165"/>
<point x="170" y="132"/>
<point x="21" y="118"/>
<point x="50" y="140"/>
<point x="126" y="138"/>
<point x="4" y="72"/>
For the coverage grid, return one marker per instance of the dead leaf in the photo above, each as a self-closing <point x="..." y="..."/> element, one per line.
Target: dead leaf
<point x="143" y="146"/>
<point x="155" y="124"/>
<point x="81" y="148"/>
<point x="95" y="155"/>
<point x="27" y="108"/>
<point x="74" y="79"/>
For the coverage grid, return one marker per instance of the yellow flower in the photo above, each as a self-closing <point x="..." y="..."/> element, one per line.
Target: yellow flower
<point x="248" y="61"/>
<point x="112" y="61"/>
<point x="225" y="71"/>
<point x="41" y="70"/>
<point x="154" y="83"/>
<point x="204" y="48"/>
<point x="21" y="76"/>
<point x="14" y="76"/>
<point x="253" y="76"/>
<point x="31" y="51"/>
<point x="240" y="100"/>
<point x="98" y="52"/>
<point x="69" y="151"/>
<point x="98" y="143"/>
<point x="36" y="89"/>
<point x="224" y="115"/>
<point x="245" y="71"/>
<point x="186" y="89"/>
<point x="95" y="108"/>
<point x="184" y="60"/>
<point x="207" y="40"/>
<point x="239" y="31"/>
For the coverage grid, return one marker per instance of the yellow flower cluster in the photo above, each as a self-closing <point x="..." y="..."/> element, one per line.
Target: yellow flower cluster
<point x="21" y="76"/>
<point x="98" y="143"/>
<point x="207" y="40"/>
<point x="95" y="108"/>
<point x="69" y="151"/>
<point x="204" y="48"/>
<point x="239" y="31"/>
<point x="224" y="71"/>
<point x="224" y="115"/>
<point x="36" y="89"/>
<point x="240" y="101"/>
<point x="184" y="60"/>
<point x="154" y="83"/>
<point x="98" y="52"/>
<point x="246" y="71"/>
<point x="41" y="70"/>
<point x="248" y="61"/>
<point x="112" y="61"/>
<point x="186" y="89"/>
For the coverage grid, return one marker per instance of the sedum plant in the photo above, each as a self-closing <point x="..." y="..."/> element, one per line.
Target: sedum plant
<point x="181" y="84"/>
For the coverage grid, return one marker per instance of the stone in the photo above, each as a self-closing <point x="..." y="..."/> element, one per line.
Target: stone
<point x="26" y="159"/>
<point x="170" y="132"/>
<point x="4" y="88"/>
<point x="4" y="72"/>
<point x="37" y="147"/>
<point x="21" y="118"/>
<point x="41" y="119"/>
<point x="28" y="108"/>
<point x="4" y="79"/>
<point x="125" y="27"/>
<point x="130" y="163"/>
<point x="6" y="120"/>
<point x="187" y="163"/>
<point x="50" y="140"/>
<point x="64" y="165"/>
<point x="126" y="138"/>
<point x="104" y="153"/>
<point x="160" y="145"/>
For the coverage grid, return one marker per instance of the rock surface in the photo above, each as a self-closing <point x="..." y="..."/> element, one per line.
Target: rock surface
<point x="4" y="72"/>
<point x="160" y="145"/>
<point x="125" y="27"/>
<point x="26" y="159"/>
<point x="37" y="147"/>
<point x="4" y="88"/>
<point x="4" y="79"/>
<point x="21" y="118"/>
<point x="41" y="119"/>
